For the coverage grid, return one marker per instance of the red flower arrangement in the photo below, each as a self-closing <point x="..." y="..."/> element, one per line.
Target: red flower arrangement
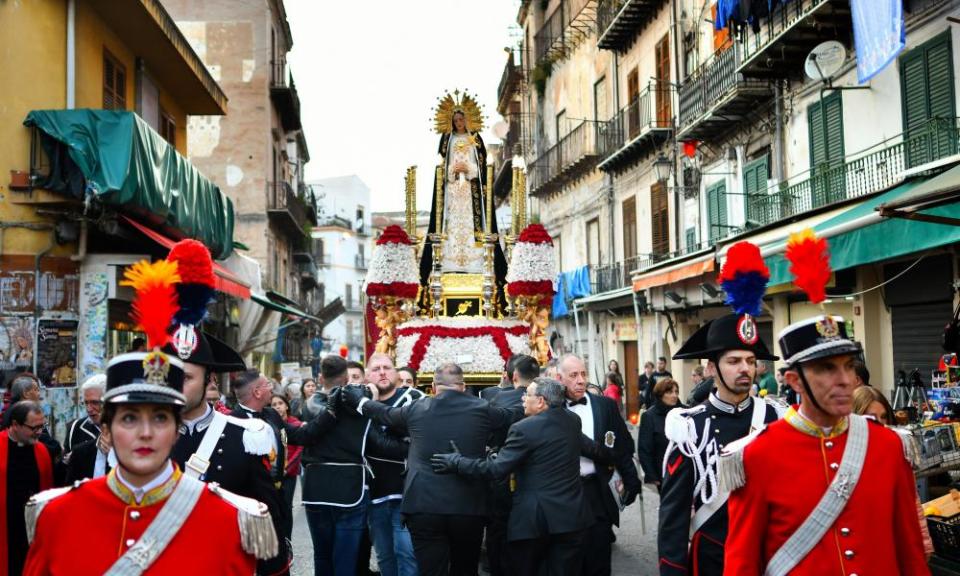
<point x="535" y="234"/>
<point x="393" y="234"/>
<point x="427" y="333"/>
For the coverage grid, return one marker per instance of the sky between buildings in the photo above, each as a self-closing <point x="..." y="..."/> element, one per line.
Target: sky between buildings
<point x="368" y="74"/>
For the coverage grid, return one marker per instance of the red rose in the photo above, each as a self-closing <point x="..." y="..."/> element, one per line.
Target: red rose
<point x="535" y="234"/>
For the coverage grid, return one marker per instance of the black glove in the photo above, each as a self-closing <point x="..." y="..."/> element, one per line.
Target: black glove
<point x="630" y="495"/>
<point x="446" y="463"/>
<point x="351" y="396"/>
<point x="335" y="402"/>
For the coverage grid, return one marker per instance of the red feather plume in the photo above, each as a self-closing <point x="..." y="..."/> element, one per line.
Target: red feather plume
<point x="809" y="263"/>
<point x="194" y="263"/>
<point x="155" y="301"/>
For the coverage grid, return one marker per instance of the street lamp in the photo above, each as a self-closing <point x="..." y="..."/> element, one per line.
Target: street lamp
<point x="661" y="168"/>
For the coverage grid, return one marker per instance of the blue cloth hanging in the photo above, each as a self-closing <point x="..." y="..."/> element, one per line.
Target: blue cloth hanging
<point x="559" y="300"/>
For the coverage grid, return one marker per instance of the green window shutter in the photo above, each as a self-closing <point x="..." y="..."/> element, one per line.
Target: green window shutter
<point x="927" y="93"/>
<point x="755" y="187"/>
<point x="717" y="210"/>
<point x="691" y="234"/>
<point x="825" y="125"/>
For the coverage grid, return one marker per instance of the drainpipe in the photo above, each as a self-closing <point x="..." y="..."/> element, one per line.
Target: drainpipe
<point x="82" y="244"/>
<point x="779" y="161"/>
<point x="71" y="54"/>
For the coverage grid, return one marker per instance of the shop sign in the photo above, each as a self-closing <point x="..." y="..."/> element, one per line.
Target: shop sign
<point x="625" y="329"/>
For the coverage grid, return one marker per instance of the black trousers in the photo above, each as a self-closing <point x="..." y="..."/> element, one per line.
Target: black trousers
<point x="498" y="553"/>
<point x="598" y="537"/>
<point x="551" y="555"/>
<point x="446" y="545"/>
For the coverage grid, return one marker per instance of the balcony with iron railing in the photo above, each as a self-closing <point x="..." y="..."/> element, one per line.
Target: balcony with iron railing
<point x="564" y="30"/>
<point x="878" y="168"/>
<point x="308" y="274"/>
<point x="612" y="276"/>
<point x="716" y="96"/>
<point x="574" y="155"/>
<point x="283" y="92"/>
<point x="619" y="22"/>
<point x="777" y="45"/>
<point x="360" y="262"/>
<point x="646" y="261"/>
<point x="511" y="82"/>
<point x="638" y="128"/>
<point x="286" y="211"/>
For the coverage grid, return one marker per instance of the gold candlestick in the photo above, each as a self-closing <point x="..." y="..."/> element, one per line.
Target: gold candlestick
<point x="411" y="193"/>
<point x="438" y="223"/>
<point x="489" y="219"/>
<point x="520" y="182"/>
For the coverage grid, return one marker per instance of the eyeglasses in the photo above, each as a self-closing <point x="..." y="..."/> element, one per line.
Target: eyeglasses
<point x="92" y="402"/>
<point x="34" y="429"/>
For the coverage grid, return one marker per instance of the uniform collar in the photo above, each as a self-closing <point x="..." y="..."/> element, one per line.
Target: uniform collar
<point x="200" y="424"/>
<point x="803" y="424"/>
<point x="727" y="407"/>
<point x="156" y="490"/>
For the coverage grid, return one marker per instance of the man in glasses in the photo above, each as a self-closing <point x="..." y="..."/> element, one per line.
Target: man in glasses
<point x="29" y="469"/>
<point x="85" y="450"/>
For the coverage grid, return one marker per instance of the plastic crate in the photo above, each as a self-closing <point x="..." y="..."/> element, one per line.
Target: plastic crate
<point x="945" y="526"/>
<point x="945" y="533"/>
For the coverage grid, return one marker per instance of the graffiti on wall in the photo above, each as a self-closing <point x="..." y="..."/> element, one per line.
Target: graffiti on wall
<point x="93" y="325"/>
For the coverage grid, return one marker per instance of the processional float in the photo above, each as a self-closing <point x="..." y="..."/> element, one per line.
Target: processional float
<point x="462" y="291"/>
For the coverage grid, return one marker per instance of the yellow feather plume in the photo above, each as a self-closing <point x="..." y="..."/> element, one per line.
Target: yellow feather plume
<point x="144" y="274"/>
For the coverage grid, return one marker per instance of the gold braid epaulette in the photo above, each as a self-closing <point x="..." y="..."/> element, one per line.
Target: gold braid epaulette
<point x="257" y="534"/>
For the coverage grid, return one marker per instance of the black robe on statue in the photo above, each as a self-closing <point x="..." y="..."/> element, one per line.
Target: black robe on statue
<point x="478" y="186"/>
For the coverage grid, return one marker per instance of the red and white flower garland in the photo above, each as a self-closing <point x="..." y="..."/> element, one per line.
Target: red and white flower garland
<point x="393" y="267"/>
<point x="533" y="264"/>
<point x="425" y="344"/>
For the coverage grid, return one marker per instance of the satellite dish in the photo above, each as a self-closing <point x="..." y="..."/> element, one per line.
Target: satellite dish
<point x="500" y="129"/>
<point x="825" y="60"/>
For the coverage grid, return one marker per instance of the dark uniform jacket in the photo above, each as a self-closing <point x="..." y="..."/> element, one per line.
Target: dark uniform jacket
<point x="82" y="461"/>
<point x="543" y="451"/>
<point x="678" y="551"/>
<point x="335" y="465"/>
<point x="387" y="481"/>
<point x="240" y="465"/>
<point x="80" y="431"/>
<point x="431" y="423"/>
<point x="652" y="442"/>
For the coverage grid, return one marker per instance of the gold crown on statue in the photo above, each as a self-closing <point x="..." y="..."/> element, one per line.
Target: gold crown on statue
<point x="449" y="104"/>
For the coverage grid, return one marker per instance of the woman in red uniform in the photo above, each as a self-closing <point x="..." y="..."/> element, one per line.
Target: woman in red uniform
<point x="145" y="516"/>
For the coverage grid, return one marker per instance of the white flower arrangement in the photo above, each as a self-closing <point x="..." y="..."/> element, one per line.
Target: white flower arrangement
<point x="393" y="262"/>
<point x="474" y="354"/>
<point x="532" y="263"/>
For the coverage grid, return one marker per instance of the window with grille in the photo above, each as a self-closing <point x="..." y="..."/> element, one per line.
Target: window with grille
<point x="114" y="83"/>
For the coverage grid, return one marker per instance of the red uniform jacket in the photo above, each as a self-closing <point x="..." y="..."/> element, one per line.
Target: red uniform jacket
<point x="111" y="521"/>
<point x="788" y="468"/>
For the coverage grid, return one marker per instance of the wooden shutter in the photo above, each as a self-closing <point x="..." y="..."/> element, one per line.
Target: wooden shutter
<point x="927" y="92"/>
<point x="825" y="123"/>
<point x="630" y="228"/>
<point x="664" y="113"/>
<point x="717" y="210"/>
<point x="659" y="219"/>
<point x="633" y="105"/>
<point x="755" y="189"/>
<point x="114" y="83"/>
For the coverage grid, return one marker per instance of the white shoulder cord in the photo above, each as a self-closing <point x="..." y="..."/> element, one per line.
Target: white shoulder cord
<point x="704" y="470"/>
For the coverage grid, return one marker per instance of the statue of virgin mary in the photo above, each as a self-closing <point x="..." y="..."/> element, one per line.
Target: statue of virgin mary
<point x="464" y="159"/>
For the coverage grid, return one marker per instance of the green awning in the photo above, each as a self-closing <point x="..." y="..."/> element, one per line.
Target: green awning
<point x="860" y="236"/>
<point x="124" y="162"/>
<point x="279" y="307"/>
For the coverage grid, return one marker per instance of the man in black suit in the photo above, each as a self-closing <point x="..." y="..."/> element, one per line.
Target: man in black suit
<point x="549" y="513"/>
<point x="602" y="423"/>
<point x="506" y="380"/>
<point x="524" y="369"/>
<point x="444" y="513"/>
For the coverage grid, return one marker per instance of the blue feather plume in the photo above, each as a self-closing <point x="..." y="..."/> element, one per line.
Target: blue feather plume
<point x="745" y="291"/>
<point x="194" y="299"/>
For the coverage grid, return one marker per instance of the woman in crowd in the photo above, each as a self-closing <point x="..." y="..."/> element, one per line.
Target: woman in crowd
<point x="613" y="389"/>
<point x="614" y="366"/>
<point x="307" y="389"/>
<point x="868" y="401"/>
<point x="289" y="483"/>
<point x="651" y="440"/>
